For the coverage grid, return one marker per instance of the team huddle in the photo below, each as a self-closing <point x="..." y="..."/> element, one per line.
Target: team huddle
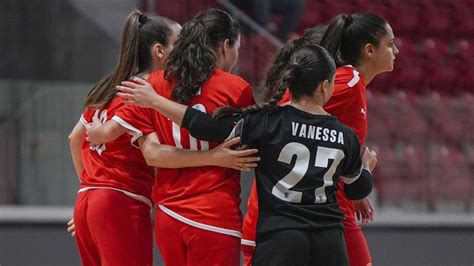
<point x="171" y="128"/>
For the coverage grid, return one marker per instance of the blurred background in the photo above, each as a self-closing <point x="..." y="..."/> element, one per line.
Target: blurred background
<point x="421" y="116"/>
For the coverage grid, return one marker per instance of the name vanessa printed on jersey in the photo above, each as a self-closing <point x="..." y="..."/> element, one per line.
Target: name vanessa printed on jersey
<point x="317" y="133"/>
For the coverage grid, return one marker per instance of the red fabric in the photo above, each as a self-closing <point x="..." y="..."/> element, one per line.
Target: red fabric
<point x="112" y="229"/>
<point x="247" y="255"/>
<point x="208" y="195"/>
<point x="349" y="105"/>
<point x="116" y="164"/>
<point x="357" y="249"/>
<point x="182" y="244"/>
<point x="249" y="227"/>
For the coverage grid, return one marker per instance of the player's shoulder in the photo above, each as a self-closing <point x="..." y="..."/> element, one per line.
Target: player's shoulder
<point x="221" y="76"/>
<point x="350" y="135"/>
<point x="157" y="75"/>
<point x="159" y="82"/>
<point x="348" y="76"/>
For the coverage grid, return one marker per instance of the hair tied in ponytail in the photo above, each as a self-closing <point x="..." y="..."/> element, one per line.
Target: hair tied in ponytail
<point x="348" y="19"/>
<point x="142" y="19"/>
<point x="296" y="68"/>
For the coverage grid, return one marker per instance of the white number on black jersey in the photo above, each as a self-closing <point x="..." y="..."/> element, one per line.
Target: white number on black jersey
<point x="323" y="154"/>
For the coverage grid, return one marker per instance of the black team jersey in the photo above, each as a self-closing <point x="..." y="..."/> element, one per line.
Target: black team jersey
<point x="302" y="156"/>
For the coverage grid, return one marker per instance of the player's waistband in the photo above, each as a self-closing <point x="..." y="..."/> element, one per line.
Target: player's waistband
<point x="140" y="198"/>
<point x="198" y="224"/>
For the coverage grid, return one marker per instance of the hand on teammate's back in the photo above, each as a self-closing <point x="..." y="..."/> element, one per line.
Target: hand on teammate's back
<point x="92" y="132"/>
<point x="369" y="158"/>
<point x="242" y="160"/>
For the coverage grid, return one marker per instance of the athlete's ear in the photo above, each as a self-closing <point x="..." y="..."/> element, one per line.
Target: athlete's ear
<point x="225" y="46"/>
<point x="368" y="50"/>
<point x="325" y="86"/>
<point x="326" y="89"/>
<point x="157" y="50"/>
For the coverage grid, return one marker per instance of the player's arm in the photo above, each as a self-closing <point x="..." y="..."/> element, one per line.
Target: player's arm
<point x="361" y="187"/>
<point x="98" y="133"/>
<point x="145" y="96"/>
<point x="356" y="175"/>
<point x="166" y="156"/>
<point x="75" y="141"/>
<point x="199" y="124"/>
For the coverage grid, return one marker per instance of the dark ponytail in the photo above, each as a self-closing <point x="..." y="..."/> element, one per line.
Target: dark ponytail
<point x="138" y="35"/>
<point x="193" y="60"/>
<point x="346" y="36"/>
<point x="290" y="73"/>
<point x="311" y="36"/>
<point x="276" y="69"/>
<point x="307" y="67"/>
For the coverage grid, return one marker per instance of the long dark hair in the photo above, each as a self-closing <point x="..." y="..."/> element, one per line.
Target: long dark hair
<point x="280" y="61"/>
<point x="346" y="35"/>
<point x="138" y="35"/>
<point x="308" y="66"/>
<point x="193" y="59"/>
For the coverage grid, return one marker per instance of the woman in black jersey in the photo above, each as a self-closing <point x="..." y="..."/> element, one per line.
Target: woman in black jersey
<point x="303" y="151"/>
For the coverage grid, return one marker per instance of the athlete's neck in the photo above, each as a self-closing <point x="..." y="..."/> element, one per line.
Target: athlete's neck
<point x="367" y="72"/>
<point x="309" y="105"/>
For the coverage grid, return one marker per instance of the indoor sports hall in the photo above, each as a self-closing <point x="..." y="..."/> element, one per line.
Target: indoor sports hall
<point x="421" y="116"/>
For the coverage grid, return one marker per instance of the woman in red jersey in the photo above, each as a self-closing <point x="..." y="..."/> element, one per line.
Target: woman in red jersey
<point x="115" y="178"/>
<point x="363" y="47"/>
<point x="198" y="220"/>
<point x="112" y="211"/>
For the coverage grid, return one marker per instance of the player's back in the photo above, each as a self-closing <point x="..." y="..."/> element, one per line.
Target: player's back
<point x="302" y="155"/>
<point x="116" y="164"/>
<point x="209" y="195"/>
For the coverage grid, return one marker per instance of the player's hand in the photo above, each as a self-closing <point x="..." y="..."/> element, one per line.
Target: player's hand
<point x="242" y="160"/>
<point x="363" y="210"/>
<point x="71" y="228"/>
<point x="137" y="94"/>
<point x="93" y="132"/>
<point x="369" y="158"/>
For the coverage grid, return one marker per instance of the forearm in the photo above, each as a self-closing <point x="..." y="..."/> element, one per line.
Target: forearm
<point x="106" y="133"/>
<point x="75" y="141"/>
<point x="201" y="125"/>
<point x="166" y="156"/>
<point x="172" y="110"/>
<point x="360" y="188"/>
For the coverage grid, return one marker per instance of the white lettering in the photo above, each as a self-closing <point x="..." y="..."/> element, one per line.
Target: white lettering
<point x="325" y="134"/>
<point x="311" y="131"/>
<point x="303" y="131"/>
<point x="333" y="136"/>
<point x="341" y="138"/>
<point x="318" y="133"/>
<point x="294" y="127"/>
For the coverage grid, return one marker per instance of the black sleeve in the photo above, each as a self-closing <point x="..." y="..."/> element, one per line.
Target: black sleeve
<point x="353" y="163"/>
<point x="361" y="187"/>
<point x="357" y="181"/>
<point x="202" y="126"/>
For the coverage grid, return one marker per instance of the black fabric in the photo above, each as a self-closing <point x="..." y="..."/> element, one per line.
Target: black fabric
<point x="301" y="247"/>
<point x="202" y="126"/>
<point x="360" y="188"/>
<point x="302" y="157"/>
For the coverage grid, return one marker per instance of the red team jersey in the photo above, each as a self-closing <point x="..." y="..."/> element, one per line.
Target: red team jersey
<point x="204" y="197"/>
<point x="348" y="103"/>
<point x="115" y="165"/>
